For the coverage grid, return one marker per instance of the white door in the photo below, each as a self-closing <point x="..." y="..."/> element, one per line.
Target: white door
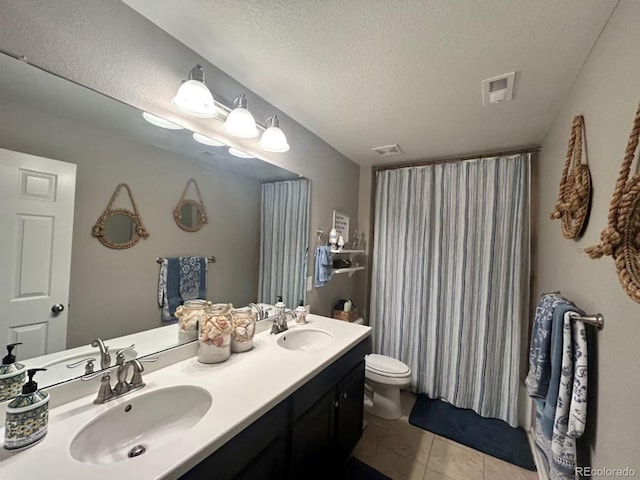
<point x="36" y="214"/>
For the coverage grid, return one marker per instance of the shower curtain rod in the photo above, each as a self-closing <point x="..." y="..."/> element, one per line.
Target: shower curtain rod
<point x="423" y="163"/>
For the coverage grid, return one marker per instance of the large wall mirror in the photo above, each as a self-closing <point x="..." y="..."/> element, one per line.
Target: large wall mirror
<point x="63" y="150"/>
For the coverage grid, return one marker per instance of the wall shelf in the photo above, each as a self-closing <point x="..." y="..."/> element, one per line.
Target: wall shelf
<point x="353" y="252"/>
<point x="350" y="270"/>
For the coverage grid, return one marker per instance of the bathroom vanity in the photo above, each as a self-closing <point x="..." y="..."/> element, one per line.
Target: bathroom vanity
<point x="308" y="435"/>
<point x="289" y="408"/>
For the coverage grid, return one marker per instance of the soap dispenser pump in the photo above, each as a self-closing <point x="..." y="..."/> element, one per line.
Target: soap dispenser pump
<point x="12" y="374"/>
<point x="27" y="415"/>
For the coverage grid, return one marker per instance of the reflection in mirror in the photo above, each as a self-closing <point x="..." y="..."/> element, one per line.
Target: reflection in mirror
<point x="191" y="215"/>
<point x="96" y="142"/>
<point x="284" y="244"/>
<point x="119" y="228"/>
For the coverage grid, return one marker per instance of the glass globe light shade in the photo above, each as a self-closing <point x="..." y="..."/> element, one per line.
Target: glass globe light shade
<point x="274" y="140"/>
<point x="240" y="123"/>
<point x="195" y="99"/>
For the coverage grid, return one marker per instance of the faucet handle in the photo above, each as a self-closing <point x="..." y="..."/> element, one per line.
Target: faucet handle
<point x="125" y="349"/>
<point x="138" y="368"/>
<point x="89" y="366"/>
<point x="120" y="358"/>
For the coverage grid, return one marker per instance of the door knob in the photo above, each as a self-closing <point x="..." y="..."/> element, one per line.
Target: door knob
<point x="57" y="308"/>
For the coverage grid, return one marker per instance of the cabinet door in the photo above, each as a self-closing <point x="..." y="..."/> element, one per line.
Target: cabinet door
<point x="350" y="410"/>
<point x="259" y="452"/>
<point x="312" y="439"/>
<point x="270" y="464"/>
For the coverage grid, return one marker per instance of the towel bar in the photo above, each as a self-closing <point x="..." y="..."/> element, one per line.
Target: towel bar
<point x="210" y="259"/>
<point x="596" y="320"/>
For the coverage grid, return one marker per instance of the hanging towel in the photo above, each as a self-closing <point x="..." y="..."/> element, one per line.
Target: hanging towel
<point x="537" y="380"/>
<point x="555" y="431"/>
<point x="181" y="279"/>
<point x="322" y="271"/>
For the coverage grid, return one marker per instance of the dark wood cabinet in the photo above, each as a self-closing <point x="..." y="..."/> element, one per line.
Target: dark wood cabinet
<point x="312" y="440"/>
<point x="307" y="436"/>
<point x="349" y="412"/>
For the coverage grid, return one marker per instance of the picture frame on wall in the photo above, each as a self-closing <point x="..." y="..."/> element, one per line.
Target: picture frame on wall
<point x="341" y="224"/>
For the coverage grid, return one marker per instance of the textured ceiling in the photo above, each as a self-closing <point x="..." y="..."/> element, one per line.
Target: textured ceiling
<point x="361" y="74"/>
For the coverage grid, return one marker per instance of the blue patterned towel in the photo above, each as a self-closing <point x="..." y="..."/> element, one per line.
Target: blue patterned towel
<point x="561" y="415"/>
<point x="322" y="271"/>
<point x="537" y="380"/>
<point x="181" y="279"/>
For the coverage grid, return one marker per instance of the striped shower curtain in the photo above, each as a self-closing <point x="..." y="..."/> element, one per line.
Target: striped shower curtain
<point x="284" y="241"/>
<point x="450" y="278"/>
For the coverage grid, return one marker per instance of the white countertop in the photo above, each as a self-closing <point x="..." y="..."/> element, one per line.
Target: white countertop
<point x="243" y="388"/>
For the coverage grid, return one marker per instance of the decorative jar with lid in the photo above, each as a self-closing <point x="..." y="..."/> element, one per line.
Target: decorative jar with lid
<point x="244" y="328"/>
<point x="214" y="333"/>
<point x="188" y="317"/>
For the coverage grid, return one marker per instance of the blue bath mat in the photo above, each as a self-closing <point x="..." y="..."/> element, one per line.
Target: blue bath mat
<point x="356" y="470"/>
<point x="488" y="435"/>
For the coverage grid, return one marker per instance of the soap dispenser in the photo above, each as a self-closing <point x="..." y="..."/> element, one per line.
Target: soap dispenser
<point x="301" y="313"/>
<point x="280" y="306"/>
<point x="27" y="416"/>
<point x="12" y="374"/>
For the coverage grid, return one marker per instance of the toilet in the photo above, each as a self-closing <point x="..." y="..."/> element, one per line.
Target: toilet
<point x="384" y="377"/>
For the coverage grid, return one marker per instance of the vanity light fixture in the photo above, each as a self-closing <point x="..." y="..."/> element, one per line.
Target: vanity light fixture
<point x="239" y="153"/>
<point x="240" y="123"/>
<point x="193" y="97"/>
<point x="198" y="137"/>
<point x="273" y="139"/>
<point x="160" y="122"/>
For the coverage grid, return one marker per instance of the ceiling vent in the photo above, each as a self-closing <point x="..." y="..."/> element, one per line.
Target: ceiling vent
<point x="498" y="89"/>
<point x="387" y="150"/>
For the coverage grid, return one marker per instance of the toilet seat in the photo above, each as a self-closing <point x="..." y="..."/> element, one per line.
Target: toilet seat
<point x="386" y="366"/>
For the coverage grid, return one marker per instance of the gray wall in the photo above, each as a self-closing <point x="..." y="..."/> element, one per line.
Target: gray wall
<point x="606" y="92"/>
<point x="113" y="292"/>
<point x="107" y="46"/>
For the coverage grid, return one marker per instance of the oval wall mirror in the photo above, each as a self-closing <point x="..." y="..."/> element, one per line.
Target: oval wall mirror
<point x="190" y="215"/>
<point x="119" y="228"/>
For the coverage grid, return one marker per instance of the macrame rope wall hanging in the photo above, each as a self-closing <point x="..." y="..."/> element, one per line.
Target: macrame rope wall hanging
<point x="621" y="237"/>
<point x="574" y="197"/>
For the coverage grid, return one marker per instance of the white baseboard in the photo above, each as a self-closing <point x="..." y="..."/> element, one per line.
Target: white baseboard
<point x="537" y="457"/>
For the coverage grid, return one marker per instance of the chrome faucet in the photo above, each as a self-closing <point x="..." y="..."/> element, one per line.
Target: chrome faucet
<point x="105" y="356"/>
<point x="122" y="387"/>
<point x="262" y="312"/>
<point x="280" y="322"/>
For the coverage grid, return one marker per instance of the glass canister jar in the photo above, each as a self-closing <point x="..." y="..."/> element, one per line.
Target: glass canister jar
<point x="244" y="328"/>
<point x="214" y="333"/>
<point x="188" y="317"/>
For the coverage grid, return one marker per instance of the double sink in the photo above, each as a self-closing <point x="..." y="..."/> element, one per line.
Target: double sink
<point x="150" y="420"/>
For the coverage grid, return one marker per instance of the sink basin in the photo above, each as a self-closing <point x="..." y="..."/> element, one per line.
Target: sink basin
<point x="141" y="425"/>
<point x="305" y="340"/>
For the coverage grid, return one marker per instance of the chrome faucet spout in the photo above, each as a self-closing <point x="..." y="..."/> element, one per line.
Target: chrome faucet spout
<point x="262" y="313"/>
<point x="105" y="356"/>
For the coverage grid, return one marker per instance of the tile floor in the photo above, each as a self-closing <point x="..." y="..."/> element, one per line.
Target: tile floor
<point x="404" y="452"/>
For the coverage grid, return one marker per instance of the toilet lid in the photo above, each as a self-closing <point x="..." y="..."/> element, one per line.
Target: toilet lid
<point x="386" y="365"/>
